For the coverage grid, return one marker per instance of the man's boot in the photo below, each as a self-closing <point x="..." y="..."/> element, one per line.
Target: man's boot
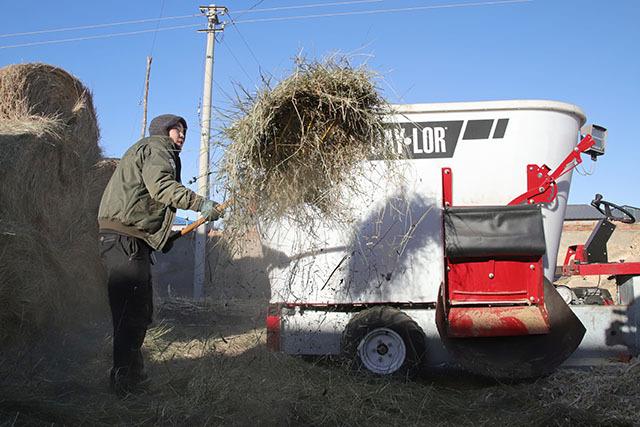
<point x="119" y="381"/>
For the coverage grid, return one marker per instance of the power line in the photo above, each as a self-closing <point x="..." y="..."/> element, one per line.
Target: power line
<point x="94" y="26"/>
<point x="308" y="6"/>
<point x="256" y="4"/>
<point x="101" y="36"/>
<point x="166" y="18"/>
<point x="153" y="43"/>
<point x="236" y="59"/>
<point x="375" y="11"/>
<point x="285" y="18"/>
<point x="255" y="58"/>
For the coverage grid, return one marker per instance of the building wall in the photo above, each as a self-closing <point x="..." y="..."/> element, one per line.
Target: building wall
<point x="237" y="275"/>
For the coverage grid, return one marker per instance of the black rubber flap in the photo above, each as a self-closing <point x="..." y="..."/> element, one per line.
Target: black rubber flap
<point x="494" y="231"/>
<point x="519" y="357"/>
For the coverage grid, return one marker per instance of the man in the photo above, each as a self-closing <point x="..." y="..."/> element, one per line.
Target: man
<point x="137" y="210"/>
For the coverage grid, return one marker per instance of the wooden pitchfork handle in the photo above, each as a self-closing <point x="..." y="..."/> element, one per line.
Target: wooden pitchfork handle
<point x="189" y="228"/>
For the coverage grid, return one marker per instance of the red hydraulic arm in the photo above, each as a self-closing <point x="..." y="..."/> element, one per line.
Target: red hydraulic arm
<point x="542" y="185"/>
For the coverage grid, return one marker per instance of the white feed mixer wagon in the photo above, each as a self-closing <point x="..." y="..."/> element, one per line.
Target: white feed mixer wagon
<point x="453" y="263"/>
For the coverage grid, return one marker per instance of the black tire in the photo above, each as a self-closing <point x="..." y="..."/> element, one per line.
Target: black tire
<point x="379" y="320"/>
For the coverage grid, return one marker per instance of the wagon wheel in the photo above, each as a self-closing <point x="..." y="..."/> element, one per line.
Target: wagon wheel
<point x="384" y="341"/>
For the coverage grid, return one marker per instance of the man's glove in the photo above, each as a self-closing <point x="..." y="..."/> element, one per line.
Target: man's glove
<point x="209" y="211"/>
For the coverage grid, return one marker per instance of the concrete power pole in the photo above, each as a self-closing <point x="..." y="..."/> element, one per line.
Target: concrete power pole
<point x="200" y="259"/>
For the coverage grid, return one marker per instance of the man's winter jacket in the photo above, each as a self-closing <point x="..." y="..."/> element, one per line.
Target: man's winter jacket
<point x="144" y="192"/>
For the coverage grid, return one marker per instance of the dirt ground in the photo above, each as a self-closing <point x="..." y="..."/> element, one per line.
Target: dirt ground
<point x="208" y="365"/>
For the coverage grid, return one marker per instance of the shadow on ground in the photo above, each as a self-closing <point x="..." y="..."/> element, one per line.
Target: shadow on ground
<point x="211" y="375"/>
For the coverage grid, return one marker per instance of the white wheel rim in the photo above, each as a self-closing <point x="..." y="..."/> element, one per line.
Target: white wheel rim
<point x="382" y="351"/>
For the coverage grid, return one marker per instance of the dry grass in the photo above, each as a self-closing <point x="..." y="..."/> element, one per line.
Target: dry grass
<point x="210" y="369"/>
<point x="51" y="274"/>
<point x="295" y="148"/>
<point x="51" y="100"/>
<point x="97" y="178"/>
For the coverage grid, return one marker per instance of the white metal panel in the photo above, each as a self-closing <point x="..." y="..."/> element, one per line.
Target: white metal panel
<point x="612" y="334"/>
<point x="510" y="105"/>
<point x="313" y="332"/>
<point x="392" y="250"/>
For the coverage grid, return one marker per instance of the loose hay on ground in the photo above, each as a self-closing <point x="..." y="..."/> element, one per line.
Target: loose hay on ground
<point x="299" y="144"/>
<point x="255" y="386"/>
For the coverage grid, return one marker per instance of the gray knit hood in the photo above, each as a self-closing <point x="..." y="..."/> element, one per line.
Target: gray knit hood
<point x="161" y="124"/>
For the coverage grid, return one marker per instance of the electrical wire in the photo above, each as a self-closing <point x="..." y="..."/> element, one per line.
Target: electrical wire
<point x="166" y="18"/>
<point x="236" y="59"/>
<point x="275" y="19"/>
<point x="101" y="36"/>
<point x="94" y="26"/>
<point x="308" y="6"/>
<point x="155" y="34"/>
<point x="376" y="11"/>
<point x="253" y="55"/>
<point x="256" y="4"/>
<point x="150" y="56"/>
<point x="584" y="171"/>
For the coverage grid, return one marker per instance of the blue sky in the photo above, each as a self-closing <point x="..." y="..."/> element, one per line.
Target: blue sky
<point x="583" y="52"/>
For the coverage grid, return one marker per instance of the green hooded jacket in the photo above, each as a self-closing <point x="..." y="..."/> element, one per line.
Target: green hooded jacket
<point x="144" y="192"/>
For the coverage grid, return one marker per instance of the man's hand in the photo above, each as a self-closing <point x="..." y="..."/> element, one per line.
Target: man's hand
<point x="209" y="211"/>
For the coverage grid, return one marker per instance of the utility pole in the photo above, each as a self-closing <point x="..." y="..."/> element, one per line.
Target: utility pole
<point x="146" y="97"/>
<point x="212" y="13"/>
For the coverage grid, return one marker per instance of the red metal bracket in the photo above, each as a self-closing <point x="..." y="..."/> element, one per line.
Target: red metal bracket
<point x="575" y="264"/>
<point x="447" y="187"/>
<point x="273" y="327"/>
<point x="541" y="185"/>
<point x="610" y="269"/>
<point x="576" y="251"/>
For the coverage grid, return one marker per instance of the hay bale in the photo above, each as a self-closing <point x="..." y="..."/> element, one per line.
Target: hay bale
<point x="51" y="273"/>
<point x="98" y="178"/>
<point x="50" y="186"/>
<point x="298" y="145"/>
<point x="42" y="99"/>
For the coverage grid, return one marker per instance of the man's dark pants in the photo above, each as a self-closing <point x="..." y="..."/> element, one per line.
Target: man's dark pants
<point x="128" y="263"/>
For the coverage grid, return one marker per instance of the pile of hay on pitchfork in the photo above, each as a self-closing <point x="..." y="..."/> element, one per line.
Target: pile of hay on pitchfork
<point x="298" y="145"/>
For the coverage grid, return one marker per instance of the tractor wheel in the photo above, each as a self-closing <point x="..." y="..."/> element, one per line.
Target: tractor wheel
<point x="384" y="341"/>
